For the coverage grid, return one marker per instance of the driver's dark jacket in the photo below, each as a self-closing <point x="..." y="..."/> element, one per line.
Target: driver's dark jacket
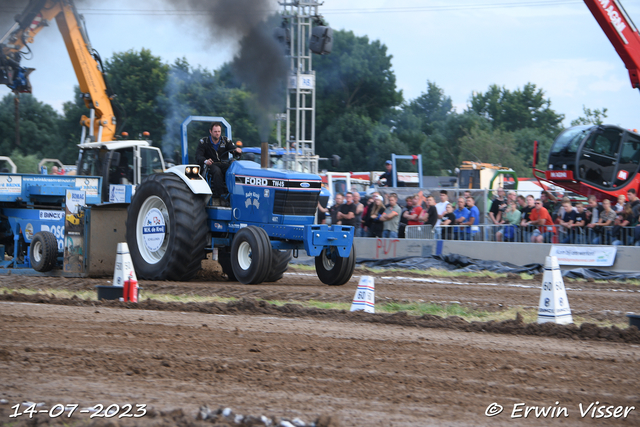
<point x="206" y="151"/>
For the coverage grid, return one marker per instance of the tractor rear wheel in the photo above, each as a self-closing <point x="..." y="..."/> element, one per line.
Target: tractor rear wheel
<point x="166" y="229"/>
<point x="279" y="264"/>
<point x="334" y="270"/>
<point x="251" y="255"/>
<point x="44" y="251"/>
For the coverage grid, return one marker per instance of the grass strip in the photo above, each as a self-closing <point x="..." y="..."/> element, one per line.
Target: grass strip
<point x="529" y="315"/>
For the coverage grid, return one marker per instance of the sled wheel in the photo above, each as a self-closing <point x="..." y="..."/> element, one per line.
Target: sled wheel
<point x="44" y="251"/>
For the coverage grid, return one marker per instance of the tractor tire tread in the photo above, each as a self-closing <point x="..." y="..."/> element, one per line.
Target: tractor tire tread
<point x="188" y="235"/>
<point x="279" y="264"/>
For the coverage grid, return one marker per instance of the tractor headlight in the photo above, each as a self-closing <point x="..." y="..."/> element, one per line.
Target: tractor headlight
<point x="192" y="172"/>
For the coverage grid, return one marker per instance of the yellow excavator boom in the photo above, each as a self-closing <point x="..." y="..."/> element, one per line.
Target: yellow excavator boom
<point x="85" y="61"/>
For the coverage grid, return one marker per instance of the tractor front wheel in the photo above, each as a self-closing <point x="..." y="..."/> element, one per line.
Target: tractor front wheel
<point x="224" y="259"/>
<point x="279" y="264"/>
<point x="251" y="255"/>
<point x="334" y="270"/>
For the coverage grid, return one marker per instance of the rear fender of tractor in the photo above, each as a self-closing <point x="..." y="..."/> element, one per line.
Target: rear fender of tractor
<point x="194" y="181"/>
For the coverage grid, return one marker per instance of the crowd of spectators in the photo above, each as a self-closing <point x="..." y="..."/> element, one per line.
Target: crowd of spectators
<point x="553" y="220"/>
<point x="378" y="217"/>
<point x="511" y="218"/>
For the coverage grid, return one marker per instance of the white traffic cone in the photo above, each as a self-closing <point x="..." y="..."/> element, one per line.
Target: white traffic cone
<point x="364" y="299"/>
<point x="124" y="266"/>
<point x="554" y="304"/>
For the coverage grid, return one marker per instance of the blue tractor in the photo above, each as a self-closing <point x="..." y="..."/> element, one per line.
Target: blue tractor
<point x="173" y="222"/>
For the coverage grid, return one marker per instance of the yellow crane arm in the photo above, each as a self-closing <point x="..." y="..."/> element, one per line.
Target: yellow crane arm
<point x="34" y="18"/>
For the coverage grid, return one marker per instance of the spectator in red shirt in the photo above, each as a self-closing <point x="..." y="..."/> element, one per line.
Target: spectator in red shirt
<point x="540" y="216"/>
<point x="413" y="216"/>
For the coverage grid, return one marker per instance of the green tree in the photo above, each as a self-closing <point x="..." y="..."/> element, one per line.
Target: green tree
<point x="226" y="76"/>
<point x="197" y="91"/>
<point x="432" y="106"/>
<point x="138" y="79"/>
<point x="514" y="110"/>
<point x="445" y="141"/>
<point x="25" y="163"/>
<point x="408" y="128"/>
<point x="355" y="86"/>
<point x="39" y="127"/>
<point x="492" y="146"/>
<point x="524" y="139"/>
<point x="591" y="117"/>
<point x="70" y="128"/>
<point x="526" y="113"/>
<point x="418" y="122"/>
<point x="357" y="73"/>
<point x="361" y="143"/>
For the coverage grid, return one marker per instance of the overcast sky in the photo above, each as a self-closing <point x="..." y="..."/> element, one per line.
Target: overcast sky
<point x="461" y="45"/>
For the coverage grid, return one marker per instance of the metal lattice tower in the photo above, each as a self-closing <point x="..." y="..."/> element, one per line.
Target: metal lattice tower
<point x="301" y="86"/>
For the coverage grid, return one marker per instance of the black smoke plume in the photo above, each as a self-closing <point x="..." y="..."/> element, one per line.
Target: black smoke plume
<point x="260" y="62"/>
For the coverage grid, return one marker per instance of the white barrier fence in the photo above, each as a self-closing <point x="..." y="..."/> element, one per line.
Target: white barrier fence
<point x="611" y="235"/>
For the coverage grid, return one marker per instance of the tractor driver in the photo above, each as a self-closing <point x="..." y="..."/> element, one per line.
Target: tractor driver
<point x="213" y="152"/>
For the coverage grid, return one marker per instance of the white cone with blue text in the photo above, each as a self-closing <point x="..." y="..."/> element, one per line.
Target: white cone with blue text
<point x="554" y="304"/>
<point x="124" y="266"/>
<point x="364" y="299"/>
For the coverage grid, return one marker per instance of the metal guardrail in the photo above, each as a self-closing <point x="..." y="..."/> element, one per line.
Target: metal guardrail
<point x="610" y="235"/>
<point x="14" y="169"/>
<point x="419" y="232"/>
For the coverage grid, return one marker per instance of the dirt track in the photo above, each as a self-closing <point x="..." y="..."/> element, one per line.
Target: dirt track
<point x="278" y="362"/>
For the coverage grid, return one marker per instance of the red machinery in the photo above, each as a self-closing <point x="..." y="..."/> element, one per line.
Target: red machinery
<point x="622" y="33"/>
<point x="602" y="160"/>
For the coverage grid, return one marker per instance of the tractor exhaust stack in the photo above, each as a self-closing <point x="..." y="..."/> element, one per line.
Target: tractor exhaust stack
<point x="264" y="155"/>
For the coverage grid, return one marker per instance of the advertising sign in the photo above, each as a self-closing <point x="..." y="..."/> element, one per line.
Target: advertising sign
<point x="589" y="256"/>
<point x="10" y="184"/>
<point x="73" y="260"/>
<point x="117" y="193"/>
